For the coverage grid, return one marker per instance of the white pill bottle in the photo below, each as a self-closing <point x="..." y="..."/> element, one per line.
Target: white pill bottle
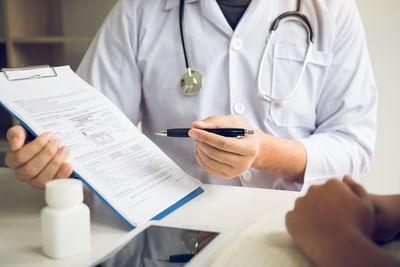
<point x="65" y="220"/>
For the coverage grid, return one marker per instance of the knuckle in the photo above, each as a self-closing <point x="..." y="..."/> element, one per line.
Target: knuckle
<point x="207" y="162"/>
<point x="41" y="182"/>
<point x="57" y="161"/>
<point x="37" y="184"/>
<point x="333" y="183"/>
<point x="212" y="154"/>
<point x="224" y="145"/>
<point x="207" y="167"/>
<point x="288" y="218"/>
<point x="19" y="178"/>
<point x="298" y="202"/>
<point x="312" y="188"/>
<point x="19" y="158"/>
<point x="68" y="172"/>
<point x="199" y="161"/>
<point x="290" y="221"/>
<point x="40" y="142"/>
<point x="50" y="150"/>
<point x="7" y="160"/>
<point x="34" y="186"/>
<point x="30" y="170"/>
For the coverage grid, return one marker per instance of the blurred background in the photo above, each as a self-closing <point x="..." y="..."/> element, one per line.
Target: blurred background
<point x="55" y="32"/>
<point x="58" y="32"/>
<point x="382" y="26"/>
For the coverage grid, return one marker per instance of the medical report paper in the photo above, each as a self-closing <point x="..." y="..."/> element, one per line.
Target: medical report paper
<point x="128" y="171"/>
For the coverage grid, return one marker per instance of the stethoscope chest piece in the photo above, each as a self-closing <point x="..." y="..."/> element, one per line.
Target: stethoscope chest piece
<point x="191" y="82"/>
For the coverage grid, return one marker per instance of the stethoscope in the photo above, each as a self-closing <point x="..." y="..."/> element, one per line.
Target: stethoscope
<point x="192" y="81"/>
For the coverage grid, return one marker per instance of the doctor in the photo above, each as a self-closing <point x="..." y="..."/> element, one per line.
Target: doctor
<point x="311" y="97"/>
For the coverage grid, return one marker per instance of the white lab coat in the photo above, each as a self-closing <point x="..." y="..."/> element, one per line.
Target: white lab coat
<point x="137" y="60"/>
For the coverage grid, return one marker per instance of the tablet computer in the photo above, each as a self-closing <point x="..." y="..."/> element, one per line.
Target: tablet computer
<point x="157" y="243"/>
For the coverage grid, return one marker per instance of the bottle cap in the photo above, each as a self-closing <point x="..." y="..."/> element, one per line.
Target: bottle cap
<point x="62" y="193"/>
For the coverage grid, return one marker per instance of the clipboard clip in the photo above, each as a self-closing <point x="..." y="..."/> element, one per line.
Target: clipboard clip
<point x="29" y="73"/>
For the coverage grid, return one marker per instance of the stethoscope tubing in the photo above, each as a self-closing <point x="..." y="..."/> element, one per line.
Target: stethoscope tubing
<point x="297" y="16"/>
<point x="181" y="31"/>
<point x="301" y="18"/>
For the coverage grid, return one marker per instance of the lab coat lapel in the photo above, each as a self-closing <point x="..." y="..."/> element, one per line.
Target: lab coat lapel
<point x="259" y="15"/>
<point x="213" y="14"/>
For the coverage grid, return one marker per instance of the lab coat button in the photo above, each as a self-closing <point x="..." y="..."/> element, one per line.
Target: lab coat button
<point x="247" y="176"/>
<point x="236" y="44"/>
<point x="239" y="108"/>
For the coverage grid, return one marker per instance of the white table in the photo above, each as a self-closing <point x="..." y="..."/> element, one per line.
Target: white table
<point x="219" y="206"/>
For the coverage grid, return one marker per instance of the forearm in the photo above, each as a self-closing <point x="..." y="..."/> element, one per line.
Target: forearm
<point x="281" y="157"/>
<point x="349" y="249"/>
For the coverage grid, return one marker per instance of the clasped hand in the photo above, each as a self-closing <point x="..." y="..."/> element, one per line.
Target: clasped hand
<point x="224" y="157"/>
<point x="330" y="219"/>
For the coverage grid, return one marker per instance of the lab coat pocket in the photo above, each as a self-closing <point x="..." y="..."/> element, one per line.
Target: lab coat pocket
<point x="300" y="109"/>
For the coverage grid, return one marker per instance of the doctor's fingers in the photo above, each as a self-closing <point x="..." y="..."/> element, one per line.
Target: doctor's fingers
<point x="228" y="121"/>
<point x="15" y="159"/>
<point x="243" y="146"/>
<point x="234" y="160"/>
<point x="38" y="163"/>
<point x="57" y="168"/>
<point x="212" y="167"/>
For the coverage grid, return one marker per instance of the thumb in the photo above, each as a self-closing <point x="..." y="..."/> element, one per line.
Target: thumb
<point x="16" y="137"/>
<point x="210" y="122"/>
<point x="355" y="187"/>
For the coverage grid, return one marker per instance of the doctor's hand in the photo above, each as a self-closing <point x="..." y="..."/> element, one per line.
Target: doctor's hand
<point x="38" y="161"/>
<point x="221" y="156"/>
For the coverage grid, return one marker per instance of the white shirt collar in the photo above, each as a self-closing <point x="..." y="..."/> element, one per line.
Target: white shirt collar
<point x="169" y="4"/>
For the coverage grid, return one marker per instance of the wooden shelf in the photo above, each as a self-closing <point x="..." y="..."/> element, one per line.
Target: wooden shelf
<point x="56" y="39"/>
<point x="37" y="32"/>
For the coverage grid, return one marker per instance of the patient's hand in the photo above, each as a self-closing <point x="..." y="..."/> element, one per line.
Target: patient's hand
<point x="387" y="214"/>
<point x="331" y="218"/>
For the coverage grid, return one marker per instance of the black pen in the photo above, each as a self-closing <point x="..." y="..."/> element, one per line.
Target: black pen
<point x="183" y="258"/>
<point x="227" y="132"/>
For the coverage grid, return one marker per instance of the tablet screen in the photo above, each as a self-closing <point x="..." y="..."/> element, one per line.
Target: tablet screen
<point x="160" y="246"/>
